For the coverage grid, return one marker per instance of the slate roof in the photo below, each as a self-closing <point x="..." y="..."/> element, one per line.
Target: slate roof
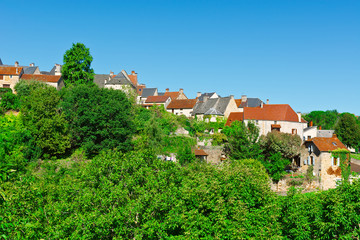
<point x="45" y="72"/>
<point x="41" y="77"/>
<point x="29" y="70"/>
<point x="250" y="102"/>
<point x="325" y="144"/>
<point x="146" y="92"/>
<point x="212" y="105"/>
<point x="209" y="95"/>
<point x="99" y="79"/>
<point x="10" y="70"/>
<point x="119" y="79"/>
<point x="325" y="133"/>
<point x="1" y="62"/>
<point x="157" y="99"/>
<point x="182" y="103"/>
<point x="272" y="112"/>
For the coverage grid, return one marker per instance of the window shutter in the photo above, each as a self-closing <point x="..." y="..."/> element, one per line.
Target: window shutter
<point x="338" y="161"/>
<point x="332" y="161"/>
<point x="305" y="161"/>
<point x="308" y="160"/>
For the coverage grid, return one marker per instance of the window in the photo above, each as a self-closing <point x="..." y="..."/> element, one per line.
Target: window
<point x="275" y="122"/>
<point x="10" y="76"/>
<point x="294" y="131"/>
<point x="1" y="77"/>
<point x="309" y="137"/>
<point x="335" y="161"/>
<point x="312" y="160"/>
<point x="6" y="85"/>
<point x="257" y="121"/>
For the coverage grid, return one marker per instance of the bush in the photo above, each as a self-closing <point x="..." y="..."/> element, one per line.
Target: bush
<point x="9" y="101"/>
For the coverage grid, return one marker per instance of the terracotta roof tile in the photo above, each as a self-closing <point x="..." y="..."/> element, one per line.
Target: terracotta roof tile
<point x="156" y="99"/>
<point x="41" y="77"/>
<point x="8" y="70"/>
<point x="182" y="103"/>
<point x="234" y="116"/>
<point x="327" y="144"/>
<point x="200" y="152"/>
<point x="173" y="95"/>
<point x="272" y="112"/>
<point x="238" y="102"/>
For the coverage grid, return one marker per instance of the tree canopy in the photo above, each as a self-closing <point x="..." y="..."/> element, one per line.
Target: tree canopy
<point x="348" y="130"/>
<point x="77" y="65"/>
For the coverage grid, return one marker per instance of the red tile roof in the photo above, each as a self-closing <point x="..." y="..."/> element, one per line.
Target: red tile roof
<point x="133" y="79"/>
<point x="8" y="70"/>
<point x="238" y="102"/>
<point x="173" y="95"/>
<point x="272" y="112"/>
<point x="41" y="77"/>
<point x="200" y="152"/>
<point x="327" y="144"/>
<point x="234" y="116"/>
<point x="156" y="99"/>
<point x="182" y="103"/>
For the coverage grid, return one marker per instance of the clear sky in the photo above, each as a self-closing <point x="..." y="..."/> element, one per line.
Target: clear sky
<point x="305" y="53"/>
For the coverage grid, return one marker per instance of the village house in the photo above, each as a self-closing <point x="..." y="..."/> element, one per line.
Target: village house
<point x="201" y="154"/>
<point x="52" y="80"/>
<point x="248" y="102"/>
<point x="157" y="100"/>
<point x="10" y="75"/>
<point x="213" y="108"/>
<point x="182" y="106"/>
<point x="271" y="117"/>
<point x="122" y="82"/>
<point x="316" y="152"/>
<point x="314" y="131"/>
<point x="147" y="92"/>
<point x="201" y="97"/>
<point x="174" y="95"/>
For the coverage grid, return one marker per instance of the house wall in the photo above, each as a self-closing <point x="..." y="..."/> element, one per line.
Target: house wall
<point x="232" y="107"/>
<point x="127" y="89"/>
<point x="185" y="111"/>
<point x="312" y="132"/>
<point x="286" y="127"/>
<point x="12" y="81"/>
<point x="328" y="173"/>
<point x="181" y="96"/>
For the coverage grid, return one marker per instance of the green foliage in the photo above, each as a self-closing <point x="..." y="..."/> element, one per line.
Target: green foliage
<point x="16" y="148"/>
<point x="356" y="156"/>
<point x="218" y="139"/>
<point x="242" y="140"/>
<point x="9" y="101"/>
<point x="42" y="116"/>
<point x="325" y="119"/>
<point x="277" y="142"/>
<point x="24" y="88"/>
<point x="77" y="66"/>
<point x="4" y="90"/>
<point x="98" y="119"/>
<point x="185" y="155"/>
<point x="275" y="165"/>
<point x="348" y="131"/>
<point x="309" y="176"/>
<point x="344" y="156"/>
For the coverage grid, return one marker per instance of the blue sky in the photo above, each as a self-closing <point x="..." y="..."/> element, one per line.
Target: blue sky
<point x="304" y="53"/>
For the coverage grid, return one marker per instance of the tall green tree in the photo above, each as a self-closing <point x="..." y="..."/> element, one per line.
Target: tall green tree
<point x="348" y="130"/>
<point x="98" y="118"/>
<point x="43" y="117"/>
<point x="242" y="140"/>
<point x="325" y="119"/>
<point x="76" y="69"/>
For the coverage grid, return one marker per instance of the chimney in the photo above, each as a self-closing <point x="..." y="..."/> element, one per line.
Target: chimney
<point x="311" y="123"/>
<point x="111" y="74"/>
<point x="198" y="94"/>
<point x="262" y="104"/>
<point x="334" y="135"/>
<point x="57" y="69"/>
<point x="32" y="64"/>
<point x="267" y="101"/>
<point x="243" y="98"/>
<point x="231" y="96"/>
<point x="181" y="91"/>
<point x="133" y="72"/>
<point x="299" y="116"/>
<point x="320" y="127"/>
<point x="16" y="64"/>
<point x="167" y="90"/>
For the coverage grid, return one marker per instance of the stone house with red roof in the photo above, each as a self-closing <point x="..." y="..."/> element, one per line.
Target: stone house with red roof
<point x="174" y="95"/>
<point x="271" y="117"/>
<point x="157" y="100"/>
<point x="316" y="152"/>
<point x="181" y="107"/>
<point x="53" y="80"/>
<point x="10" y="75"/>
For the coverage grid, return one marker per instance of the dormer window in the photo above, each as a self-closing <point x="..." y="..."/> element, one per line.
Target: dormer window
<point x="334" y="143"/>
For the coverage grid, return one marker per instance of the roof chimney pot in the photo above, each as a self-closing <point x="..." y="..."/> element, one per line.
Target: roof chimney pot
<point x="267" y="101"/>
<point x="167" y="90"/>
<point x="16" y="64"/>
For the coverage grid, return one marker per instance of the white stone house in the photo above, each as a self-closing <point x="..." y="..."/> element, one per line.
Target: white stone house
<point x="182" y="107"/>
